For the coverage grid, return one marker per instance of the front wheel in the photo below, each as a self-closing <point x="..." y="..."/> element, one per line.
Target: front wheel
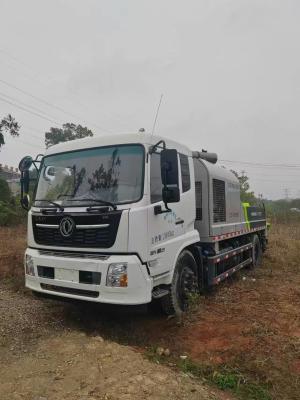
<point x="183" y="286"/>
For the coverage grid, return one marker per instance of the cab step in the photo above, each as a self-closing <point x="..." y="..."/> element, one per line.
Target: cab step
<point x="158" y="292"/>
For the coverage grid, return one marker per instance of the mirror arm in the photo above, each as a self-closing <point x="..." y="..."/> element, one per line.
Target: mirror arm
<point x="155" y="146"/>
<point x="167" y="208"/>
<point x="22" y="192"/>
<point x="37" y="161"/>
<point x="158" y="210"/>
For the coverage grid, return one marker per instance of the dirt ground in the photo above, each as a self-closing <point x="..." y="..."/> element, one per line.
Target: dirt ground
<point x="41" y="358"/>
<point x="247" y="329"/>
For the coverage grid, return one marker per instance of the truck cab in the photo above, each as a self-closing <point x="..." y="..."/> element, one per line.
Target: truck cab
<point x="98" y="226"/>
<point x="127" y="218"/>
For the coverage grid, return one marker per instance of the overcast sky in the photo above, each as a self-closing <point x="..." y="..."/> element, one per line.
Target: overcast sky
<point x="229" y="71"/>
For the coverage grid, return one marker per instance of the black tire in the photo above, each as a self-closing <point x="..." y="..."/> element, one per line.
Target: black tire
<point x="256" y="252"/>
<point x="183" y="284"/>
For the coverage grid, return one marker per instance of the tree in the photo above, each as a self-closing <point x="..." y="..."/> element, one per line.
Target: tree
<point x="246" y="195"/>
<point x="5" y="193"/>
<point x="8" y="125"/>
<point x="68" y="132"/>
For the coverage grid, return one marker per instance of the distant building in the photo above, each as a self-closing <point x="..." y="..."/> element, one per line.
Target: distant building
<point x="12" y="176"/>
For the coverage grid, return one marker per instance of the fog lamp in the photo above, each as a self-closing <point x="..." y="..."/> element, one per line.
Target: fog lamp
<point x="117" y="275"/>
<point x="29" y="265"/>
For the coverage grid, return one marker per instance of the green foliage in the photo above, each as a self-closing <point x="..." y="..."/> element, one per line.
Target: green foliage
<point x="68" y="132"/>
<point x="222" y="376"/>
<point x="246" y="195"/>
<point x="11" y="212"/>
<point x="8" y="215"/>
<point x="8" y="125"/>
<point x="283" y="211"/>
<point x="5" y="193"/>
<point x="226" y="379"/>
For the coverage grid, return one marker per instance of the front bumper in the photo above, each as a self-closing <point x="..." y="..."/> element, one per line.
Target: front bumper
<point x="65" y="282"/>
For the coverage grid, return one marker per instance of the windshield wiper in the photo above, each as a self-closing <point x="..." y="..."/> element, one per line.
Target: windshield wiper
<point x="104" y="202"/>
<point x="51" y="202"/>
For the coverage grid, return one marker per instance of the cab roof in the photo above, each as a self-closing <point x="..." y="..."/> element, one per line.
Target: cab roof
<point x="98" y="141"/>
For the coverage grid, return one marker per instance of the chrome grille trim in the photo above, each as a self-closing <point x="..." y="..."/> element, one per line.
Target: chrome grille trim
<point x="97" y="226"/>
<point x="47" y="226"/>
<point x="52" y="253"/>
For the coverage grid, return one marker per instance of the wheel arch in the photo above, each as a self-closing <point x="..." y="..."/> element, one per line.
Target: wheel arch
<point x="194" y="247"/>
<point x="186" y="245"/>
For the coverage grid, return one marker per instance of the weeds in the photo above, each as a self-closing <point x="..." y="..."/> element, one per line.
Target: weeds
<point x="222" y="377"/>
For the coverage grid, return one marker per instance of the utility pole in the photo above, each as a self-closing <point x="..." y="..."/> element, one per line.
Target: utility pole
<point x="286" y="192"/>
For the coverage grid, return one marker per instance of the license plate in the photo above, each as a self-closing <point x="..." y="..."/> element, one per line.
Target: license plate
<point x="63" y="274"/>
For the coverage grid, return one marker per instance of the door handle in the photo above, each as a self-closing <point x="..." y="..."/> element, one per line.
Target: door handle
<point x="179" y="221"/>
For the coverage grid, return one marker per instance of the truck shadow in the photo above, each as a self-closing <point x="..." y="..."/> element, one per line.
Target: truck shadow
<point x="129" y="325"/>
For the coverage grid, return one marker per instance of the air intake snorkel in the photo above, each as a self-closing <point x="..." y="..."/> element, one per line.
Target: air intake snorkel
<point x="204" y="155"/>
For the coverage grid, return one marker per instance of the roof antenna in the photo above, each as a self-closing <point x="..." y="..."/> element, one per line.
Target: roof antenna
<point x="157" y="111"/>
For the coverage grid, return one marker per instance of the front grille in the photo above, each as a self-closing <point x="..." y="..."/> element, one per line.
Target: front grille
<point x="66" y="290"/>
<point x="47" y="232"/>
<point x="70" y="254"/>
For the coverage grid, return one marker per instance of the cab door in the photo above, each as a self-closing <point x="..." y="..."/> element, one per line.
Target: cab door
<point x="166" y="230"/>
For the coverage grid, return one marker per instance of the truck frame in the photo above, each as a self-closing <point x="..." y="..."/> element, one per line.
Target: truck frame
<point x="126" y="219"/>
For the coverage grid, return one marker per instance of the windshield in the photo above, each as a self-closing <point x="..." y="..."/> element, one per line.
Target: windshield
<point x="113" y="174"/>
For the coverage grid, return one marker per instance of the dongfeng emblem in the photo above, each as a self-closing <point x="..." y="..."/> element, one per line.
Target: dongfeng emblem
<point x="67" y="226"/>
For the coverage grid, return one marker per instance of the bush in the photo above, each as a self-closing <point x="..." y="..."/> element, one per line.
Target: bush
<point x="11" y="214"/>
<point x="5" y="193"/>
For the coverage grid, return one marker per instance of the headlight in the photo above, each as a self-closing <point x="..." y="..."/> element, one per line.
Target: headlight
<point x="29" y="265"/>
<point x="117" y="275"/>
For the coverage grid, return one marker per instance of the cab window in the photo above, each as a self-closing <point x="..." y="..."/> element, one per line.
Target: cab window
<point x="185" y="173"/>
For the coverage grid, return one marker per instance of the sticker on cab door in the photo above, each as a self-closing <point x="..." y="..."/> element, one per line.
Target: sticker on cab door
<point x="162" y="236"/>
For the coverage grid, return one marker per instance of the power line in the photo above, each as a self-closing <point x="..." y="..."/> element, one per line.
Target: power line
<point x="32" y="144"/>
<point x="27" y="143"/>
<point x="262" y="164"/>
<point x="18" y="60"/>
<point x="29" y="111"/>
<point x="30" y="107"/>
<point x="48" y="103"/>
<point x="276" y="181"/>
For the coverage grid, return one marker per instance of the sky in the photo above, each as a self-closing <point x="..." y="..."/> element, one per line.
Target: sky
<point x="229" y="72"/>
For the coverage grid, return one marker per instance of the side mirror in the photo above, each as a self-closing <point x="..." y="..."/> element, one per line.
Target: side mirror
<point x="169" y="176"/>
<point x="25" y="163"/>
<point x="24" y="167"/>
<point x="171" y="194"/>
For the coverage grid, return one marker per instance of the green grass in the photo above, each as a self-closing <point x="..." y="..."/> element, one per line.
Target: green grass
<point x="221" y="377"/>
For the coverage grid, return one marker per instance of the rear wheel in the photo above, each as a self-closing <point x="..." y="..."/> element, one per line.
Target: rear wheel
<point x="184" y="285"/>
<point x="256" y="251"/>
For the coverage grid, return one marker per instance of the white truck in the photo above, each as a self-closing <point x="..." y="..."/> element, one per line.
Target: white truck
<point x="125" y="219"/>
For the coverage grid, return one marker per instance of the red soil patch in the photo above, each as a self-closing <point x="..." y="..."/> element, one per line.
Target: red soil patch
<point x="252" y="324"/>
